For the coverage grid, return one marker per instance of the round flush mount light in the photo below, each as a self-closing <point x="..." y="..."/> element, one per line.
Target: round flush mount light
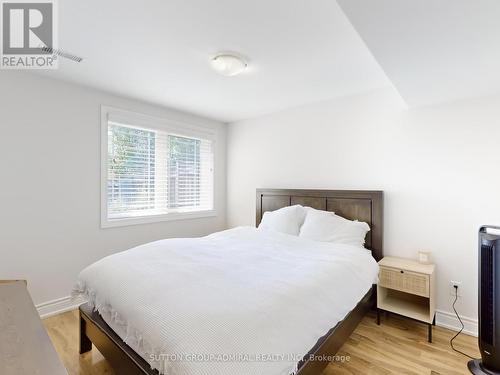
<point x="228" y="64"/>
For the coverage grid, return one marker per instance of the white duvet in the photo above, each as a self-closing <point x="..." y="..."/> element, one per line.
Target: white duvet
<point x="242" y="301"/>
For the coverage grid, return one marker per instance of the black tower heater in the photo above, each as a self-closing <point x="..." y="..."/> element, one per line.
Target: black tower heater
<point x="489" y="302"/>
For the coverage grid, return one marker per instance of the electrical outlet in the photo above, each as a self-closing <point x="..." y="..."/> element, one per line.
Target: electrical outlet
<point x="452" y="288"/>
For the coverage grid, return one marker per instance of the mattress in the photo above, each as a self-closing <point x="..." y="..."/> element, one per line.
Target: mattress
<point x="242" y="301"/>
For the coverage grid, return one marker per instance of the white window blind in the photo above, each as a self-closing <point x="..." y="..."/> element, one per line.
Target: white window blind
<point x="152" y="172"/>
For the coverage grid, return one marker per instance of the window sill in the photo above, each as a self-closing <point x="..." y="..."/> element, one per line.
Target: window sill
<point x="112" y="223"/>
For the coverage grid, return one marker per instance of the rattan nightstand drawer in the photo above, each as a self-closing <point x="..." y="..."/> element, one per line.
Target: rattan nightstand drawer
<point x="404" y="281"/>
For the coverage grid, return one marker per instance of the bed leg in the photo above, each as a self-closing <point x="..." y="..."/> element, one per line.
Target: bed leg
<point x="85" y="343"/>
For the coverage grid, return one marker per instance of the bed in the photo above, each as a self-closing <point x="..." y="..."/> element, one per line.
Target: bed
<point x="258" y="303"/>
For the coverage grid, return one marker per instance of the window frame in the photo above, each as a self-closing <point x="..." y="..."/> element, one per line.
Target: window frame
<point x="147" y="122"/>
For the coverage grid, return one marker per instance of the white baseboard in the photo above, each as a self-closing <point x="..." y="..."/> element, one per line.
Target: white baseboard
<point x="449" y="320"/>
<point x="58" y="306"/>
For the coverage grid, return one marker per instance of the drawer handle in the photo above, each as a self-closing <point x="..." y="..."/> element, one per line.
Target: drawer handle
<point x="402" y="271"/>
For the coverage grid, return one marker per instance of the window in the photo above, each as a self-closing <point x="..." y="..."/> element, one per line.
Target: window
<point x="154" y="170"/>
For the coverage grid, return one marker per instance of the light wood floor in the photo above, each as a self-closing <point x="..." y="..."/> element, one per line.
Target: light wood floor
<point x="397" y="346"/>
<point x="63" y="330"/>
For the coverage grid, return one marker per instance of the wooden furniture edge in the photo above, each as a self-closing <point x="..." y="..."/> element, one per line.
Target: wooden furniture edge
<point x="14" y="281"/>
<point x="409" y="264"/>
<point x="123" y="359"/>
<point x="26" y="345"/>
<point x="315" y="362"/>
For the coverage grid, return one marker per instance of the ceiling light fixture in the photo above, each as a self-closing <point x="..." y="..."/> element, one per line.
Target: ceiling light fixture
<point x="228" y="64"/>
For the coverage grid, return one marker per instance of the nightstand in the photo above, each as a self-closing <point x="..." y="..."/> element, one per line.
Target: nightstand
<point x="407" y="288"/>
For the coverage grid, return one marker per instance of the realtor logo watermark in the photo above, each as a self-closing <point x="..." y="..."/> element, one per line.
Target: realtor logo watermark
<point x="28" y="35"/>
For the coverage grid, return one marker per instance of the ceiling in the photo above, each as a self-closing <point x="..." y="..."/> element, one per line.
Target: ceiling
<point x="433" y="51"/>
<point x="159" y="51"/>
<point x="298" y="51"/>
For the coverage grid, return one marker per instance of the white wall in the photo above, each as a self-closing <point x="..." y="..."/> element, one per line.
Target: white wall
<point x="50" y="183"/>
<point x="438" y="166"/>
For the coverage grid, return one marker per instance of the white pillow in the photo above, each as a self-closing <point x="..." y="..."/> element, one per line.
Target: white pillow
<point x="327" y="227"/>
<point x="285" y="220"/>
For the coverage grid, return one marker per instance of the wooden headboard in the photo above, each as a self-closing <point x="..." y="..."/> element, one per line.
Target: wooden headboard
<point x="359" y="205"/>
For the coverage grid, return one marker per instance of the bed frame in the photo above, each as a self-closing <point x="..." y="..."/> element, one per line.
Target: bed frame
<point x="359" y="205"/>
<point x="352" y="204"/>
